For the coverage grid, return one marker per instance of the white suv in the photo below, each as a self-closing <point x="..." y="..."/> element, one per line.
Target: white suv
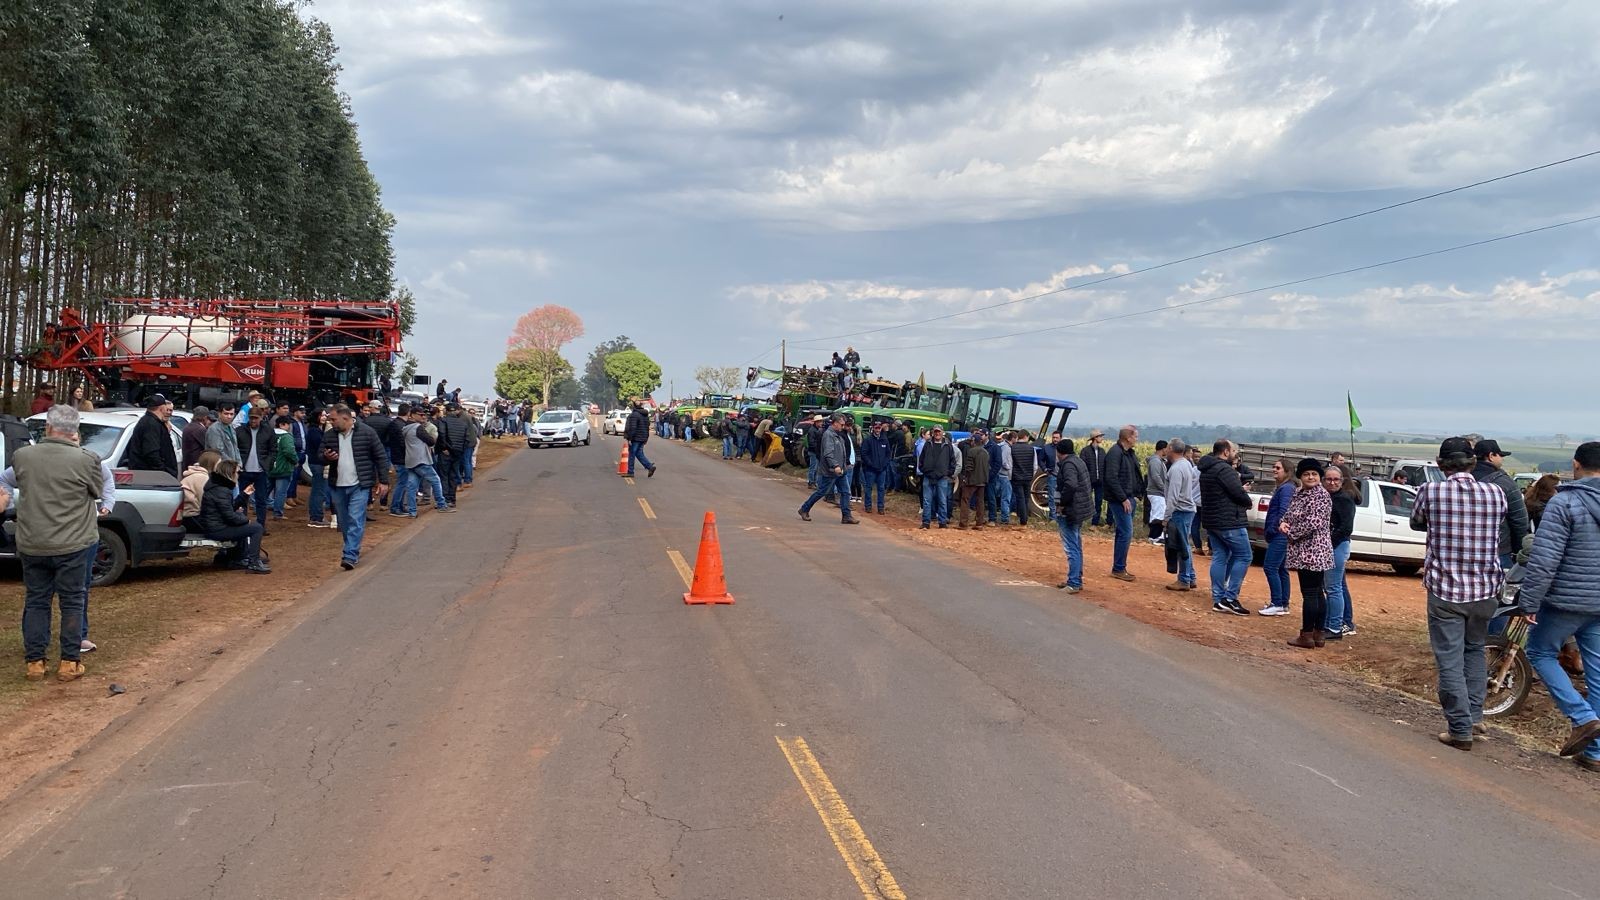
<point x="559" y="426"/>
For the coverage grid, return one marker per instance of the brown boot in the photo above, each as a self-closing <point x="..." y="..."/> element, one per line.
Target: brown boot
<point x="1319" y="637"/>
<point x="35" y="670"/>
<point x="70" y="670"/>
<point x="1306" y="641"/>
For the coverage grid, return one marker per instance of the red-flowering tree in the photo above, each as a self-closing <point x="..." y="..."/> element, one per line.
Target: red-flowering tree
<point x="537" y="339"/>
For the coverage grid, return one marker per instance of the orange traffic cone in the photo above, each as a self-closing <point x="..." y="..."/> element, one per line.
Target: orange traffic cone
<point x="622" y="461"/>
<point x="709" y="586"/>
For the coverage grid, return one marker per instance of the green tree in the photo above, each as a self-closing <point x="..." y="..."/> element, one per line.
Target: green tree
<point x="566" y="393"/>
<point x="516" y="379"/>
<point x="600" y="387"/>
<point x="719" y="379"/>
<point x="635" y="374"/>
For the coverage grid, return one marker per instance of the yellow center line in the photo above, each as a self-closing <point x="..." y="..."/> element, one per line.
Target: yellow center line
<point x="645" y="505"/>
<point x="684" y="572"/>
<point x="864" y="863"/>
<point x="628" y="478"/>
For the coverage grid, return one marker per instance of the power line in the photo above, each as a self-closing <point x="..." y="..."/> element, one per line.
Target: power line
<point x="1208" y="253"/>
<point x="763" y="354"/>
<point x="1270" y="287"/>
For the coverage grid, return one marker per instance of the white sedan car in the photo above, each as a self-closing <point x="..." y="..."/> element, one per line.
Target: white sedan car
<point x="559" y="426"/>
<point x="615" y="420"/>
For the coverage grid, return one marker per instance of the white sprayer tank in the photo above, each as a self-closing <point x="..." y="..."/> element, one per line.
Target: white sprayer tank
<point x="173" y="336"/>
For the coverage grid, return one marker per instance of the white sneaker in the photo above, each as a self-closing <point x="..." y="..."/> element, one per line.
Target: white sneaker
<point x="87" y="646"/>
<point x="1271" y="610"/>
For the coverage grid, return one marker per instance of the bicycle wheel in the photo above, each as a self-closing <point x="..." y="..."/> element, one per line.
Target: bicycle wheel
<point x="1510" y="678"/>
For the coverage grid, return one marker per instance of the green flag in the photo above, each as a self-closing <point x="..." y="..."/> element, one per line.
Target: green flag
<point x="1355" y="420"/>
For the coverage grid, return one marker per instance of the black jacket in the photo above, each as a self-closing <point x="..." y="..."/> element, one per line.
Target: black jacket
<point x="1022" y="457"/>
<point x="388" y="431"/>
<point x="261" y="433"/>
<point x="452" y="435"/>
<point x="372" y="458"/>
<point x="218" y="509"/>
<point x="1223" y="500"/>
<point x="1514" y="527"/>
<point x="1342" y="521"/>
<point x="1122" y="474"/>
<point x="637" y="428"/>
<point x="1095" y="459"/>
<point x="150" y="447"/>
<point x="938" y="460"/>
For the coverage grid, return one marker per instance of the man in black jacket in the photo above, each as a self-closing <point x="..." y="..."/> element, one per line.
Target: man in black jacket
<point x="1223" y="503"/>
<point x="258" y="444"/>
<point x="636" y="431"/>
<point x="150" y="446"/>
<point x="451" y="448"/>
<point x="1120" y="485"/>
<point x="1022" y="458"/>
<point x="357" y="462"/>
<point x="389" y="431"/>
<point x="1093" y="455"/>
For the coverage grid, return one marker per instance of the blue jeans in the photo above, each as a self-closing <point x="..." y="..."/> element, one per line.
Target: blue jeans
<point x="1003" y="498"/>
<point x="1336" y="591"/>
<point x="1072" y="545"/>
<point x="403" y="488"/>
<point x="1179" y="524"/>
<point x="88" y="582"/>
<point x="935" y="500"/>
<point x="1122" y="530"/>
<point x="350" y="505"/>
<point x="319" y="494"/>
<point x="62" y="578"/>
<point x="280" y="493"/>
<point x="828" y="485"/>
<point x="1544" y="643"/>
<point x="425" y="476"/>
<point x="1099" y="502"/>
<point x="1197" y="535"/>
<point x="991" y="499"/>
<point x="262" y="482"/>
<point x="1050" y="488"/>
<point x="636" y="453"/>
<point x="727" y="447"/>
<point x="466" y="464"/>
<point x="1230" y="560"/>
<point x="870" y="480"/>
<point x="812" y="461"/>
<point x="1276" y="566"/>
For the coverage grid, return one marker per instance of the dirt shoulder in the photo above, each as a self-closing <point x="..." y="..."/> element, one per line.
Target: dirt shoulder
<point x="1389" y="650"/>
<point x="164" y="624"/>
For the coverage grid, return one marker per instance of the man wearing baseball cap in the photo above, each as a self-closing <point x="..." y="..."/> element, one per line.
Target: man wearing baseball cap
<point x="937" y="462"/>
<point x="1461" y="571"/>
<point x="1491" y="470"/>
<point x="150" y="447"/>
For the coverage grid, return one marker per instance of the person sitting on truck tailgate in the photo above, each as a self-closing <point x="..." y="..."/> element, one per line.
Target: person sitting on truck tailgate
<point x="60" y="485"/>
<point x="1490" y="470"/>
<point x="1223" y="502"/>
<point x="221" y="519"/>
<point x="150" y="447"/>
<point x="1562" y="587"/>
<point x="1461" y="570"/>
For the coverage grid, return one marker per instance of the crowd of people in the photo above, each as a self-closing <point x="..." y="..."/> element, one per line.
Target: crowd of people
<point x="242" y="458"/>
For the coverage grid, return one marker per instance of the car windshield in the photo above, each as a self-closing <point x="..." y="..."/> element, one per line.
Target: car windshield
<point x="102" y="439"/>
<point x="562" y="417"/>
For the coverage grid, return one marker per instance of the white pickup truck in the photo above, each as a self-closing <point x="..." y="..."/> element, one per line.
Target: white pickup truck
<point x="1382" y="533"/>
<point x="144" y="525"/>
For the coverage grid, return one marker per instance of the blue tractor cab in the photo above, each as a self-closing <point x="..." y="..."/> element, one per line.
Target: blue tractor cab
<point x="1039" y="491"/>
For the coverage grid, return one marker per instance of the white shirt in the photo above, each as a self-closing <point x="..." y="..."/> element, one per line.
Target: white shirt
<point x="345" y="474"/>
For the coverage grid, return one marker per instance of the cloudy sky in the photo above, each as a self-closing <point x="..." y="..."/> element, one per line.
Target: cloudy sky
<point x="709" y="178"/>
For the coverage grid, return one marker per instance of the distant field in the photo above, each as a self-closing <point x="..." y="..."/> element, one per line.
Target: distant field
<point x="1524" y="457"/>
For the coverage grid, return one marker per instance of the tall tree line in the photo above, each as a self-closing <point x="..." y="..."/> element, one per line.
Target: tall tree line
<point x="179" y="148"/>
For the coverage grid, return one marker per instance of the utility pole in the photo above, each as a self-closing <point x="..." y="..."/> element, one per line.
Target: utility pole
<point x="783" y="354"/>
<point x="672" y="392"/>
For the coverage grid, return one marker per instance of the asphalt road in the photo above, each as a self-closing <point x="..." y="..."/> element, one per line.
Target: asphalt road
<point x="518" y="704"/>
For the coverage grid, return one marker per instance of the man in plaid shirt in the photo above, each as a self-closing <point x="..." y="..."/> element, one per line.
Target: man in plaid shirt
<point x="1462" y="574"/>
